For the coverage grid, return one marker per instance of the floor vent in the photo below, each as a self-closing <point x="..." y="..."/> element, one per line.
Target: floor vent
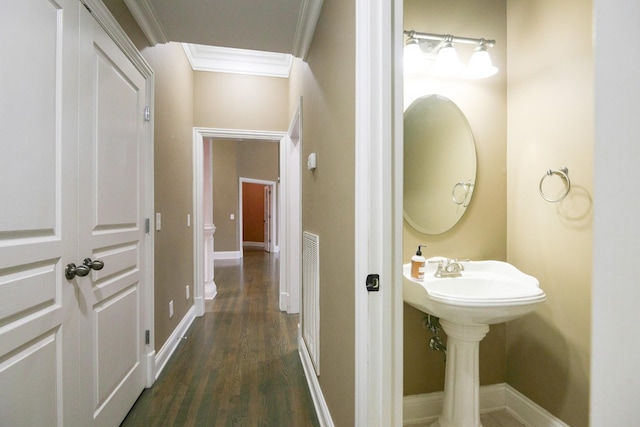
<point x="311" y="297"/>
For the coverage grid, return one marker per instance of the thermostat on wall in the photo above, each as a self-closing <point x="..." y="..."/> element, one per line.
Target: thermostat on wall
<point x="311" y="161"/>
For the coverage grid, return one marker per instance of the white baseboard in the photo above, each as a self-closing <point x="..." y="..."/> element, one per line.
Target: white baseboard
<point x="284" y="301"/>
<point x="426" y="408"/>
<point x="259" y="245"/>
<point x="151" y="367"/>
<point x="528" y="412"/>
<point x="210" y="290"/>
<point x="172" y="342"/>
<point x="227" y="255"/>
<point x="322" y="410"/>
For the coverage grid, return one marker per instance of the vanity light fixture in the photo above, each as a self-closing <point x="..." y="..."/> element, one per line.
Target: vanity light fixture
<point x="445" y="62"/>
<point x="414" y="58"/>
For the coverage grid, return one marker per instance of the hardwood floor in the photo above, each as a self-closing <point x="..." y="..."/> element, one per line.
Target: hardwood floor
<point x="238" y="365"/>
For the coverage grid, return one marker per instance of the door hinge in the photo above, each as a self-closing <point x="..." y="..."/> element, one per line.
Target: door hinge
<point x="147" y="113"/>
<point x="373" y="282"/>
<point x="147" y="337"/>
<point x="147" y="225"/>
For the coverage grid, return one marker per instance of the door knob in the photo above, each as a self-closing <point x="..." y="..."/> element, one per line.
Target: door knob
<point x="71" y="271"/>
<point x="94" y="265"/>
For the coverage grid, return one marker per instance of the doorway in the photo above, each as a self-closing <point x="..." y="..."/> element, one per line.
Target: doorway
<point x="258" y="215"/>
<point x="199" y="136"/>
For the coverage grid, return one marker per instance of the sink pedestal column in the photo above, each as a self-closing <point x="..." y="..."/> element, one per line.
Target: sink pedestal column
<point x="461" y="407"/>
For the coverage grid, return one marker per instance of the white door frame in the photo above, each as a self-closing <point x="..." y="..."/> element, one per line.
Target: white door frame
<point x="273" y="213"/>
<point x="198" y="234"/>
<point x="378" y="219"/>
<point x="291" y="216"/>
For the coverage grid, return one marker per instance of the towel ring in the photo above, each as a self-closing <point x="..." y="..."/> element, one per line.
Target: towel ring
<point x="563" y="173"/>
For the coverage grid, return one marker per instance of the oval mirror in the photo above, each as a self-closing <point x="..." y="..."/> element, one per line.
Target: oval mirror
<point x="439" y="164"/>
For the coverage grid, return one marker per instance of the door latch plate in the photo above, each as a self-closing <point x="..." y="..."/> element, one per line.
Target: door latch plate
<point x="373" y="282"/>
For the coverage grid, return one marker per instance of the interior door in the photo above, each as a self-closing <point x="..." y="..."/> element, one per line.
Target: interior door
<point x="38" y="200"/>
<point x="111" y="226"/>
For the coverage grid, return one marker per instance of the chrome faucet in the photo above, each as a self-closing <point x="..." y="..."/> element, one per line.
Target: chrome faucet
<point x="449" y="267"/>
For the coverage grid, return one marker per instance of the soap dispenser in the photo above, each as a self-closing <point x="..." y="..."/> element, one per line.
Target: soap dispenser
<point x="417" y="264"/>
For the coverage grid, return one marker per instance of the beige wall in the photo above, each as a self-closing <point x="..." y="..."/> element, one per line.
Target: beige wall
<point x="225" y="194"/>
<point x="327" y="84"/>
<point x="481" y="233"/>
<point x="551" y="115"/>
<point x="173" y="115"/>
<point x="236" y="101"/>
<point x="233" y="160"/>
<point x="550" y="124"/>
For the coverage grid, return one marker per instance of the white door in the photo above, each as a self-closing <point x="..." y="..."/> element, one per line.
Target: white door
<point x="111" y="226"/>
<point x="38" y="212"/>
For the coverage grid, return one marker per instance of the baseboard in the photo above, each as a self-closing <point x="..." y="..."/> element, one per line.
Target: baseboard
<point x="322" y="410"/>
<point x="151" y="367"/>
<point x="426" y="408"/>
<point x="227" y="255"/>
<point x="172" y="342"/>
<point x="210" y="290"/>
<point x="259" y="245"/>
<point x="284" y="301"/>
<point x="528" y="412"/>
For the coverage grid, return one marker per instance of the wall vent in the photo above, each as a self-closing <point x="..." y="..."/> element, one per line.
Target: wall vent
<point x="311" y="297"/>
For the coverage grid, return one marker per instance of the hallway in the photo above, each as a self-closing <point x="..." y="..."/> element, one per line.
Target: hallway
<point x="238" y="364"/>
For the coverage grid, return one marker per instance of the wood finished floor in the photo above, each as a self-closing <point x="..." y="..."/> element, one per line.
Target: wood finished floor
<point x="238" y="365"/>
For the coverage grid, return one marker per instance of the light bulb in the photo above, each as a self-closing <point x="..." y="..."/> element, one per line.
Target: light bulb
<point x="480" y="65"/>
<point x="447" y="62"/>
<point x="414" y="59"/>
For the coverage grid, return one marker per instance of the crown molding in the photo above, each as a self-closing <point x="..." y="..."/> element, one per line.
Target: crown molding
<point x="146" y="17"/>
<point x="306" y="28"/>
<point x="238" y="61"/>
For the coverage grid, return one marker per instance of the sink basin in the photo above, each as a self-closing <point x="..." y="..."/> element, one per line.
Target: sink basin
<point x="488" y="292"/>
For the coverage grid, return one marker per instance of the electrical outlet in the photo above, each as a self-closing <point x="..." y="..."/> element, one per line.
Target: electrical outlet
<point x="232" y="217"/>
<point x="170" y="309"/>
<point x="187" y="291"/>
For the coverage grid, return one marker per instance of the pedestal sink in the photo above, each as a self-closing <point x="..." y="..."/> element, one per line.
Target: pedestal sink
<point x="486" y="292"/>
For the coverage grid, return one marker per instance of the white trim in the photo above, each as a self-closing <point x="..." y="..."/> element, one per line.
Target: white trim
<point x="529" y="412"/>
<point x="227" y="255"/>
<point x="238" y="61"/>
<point x="284" y="299"/>
<point x="274" y="214"/>
<point x="291" y="215"/>
<point x="169" y="347"/>
<point x="119" y="36"/>
<point x="307" y="21"/>
<point x="378" y="219"/>
<point x="322" y="410"/>
<point x="253" y="245"/>
<point x="198" y="221"/>
<point x="146" y="17"/>
<point x="426" y="408"/>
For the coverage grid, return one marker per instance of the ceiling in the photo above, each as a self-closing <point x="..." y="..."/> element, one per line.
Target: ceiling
<point x="283" y="26"/>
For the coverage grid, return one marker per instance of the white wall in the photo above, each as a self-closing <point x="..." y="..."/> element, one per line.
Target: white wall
<point x="615" y="377"/>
